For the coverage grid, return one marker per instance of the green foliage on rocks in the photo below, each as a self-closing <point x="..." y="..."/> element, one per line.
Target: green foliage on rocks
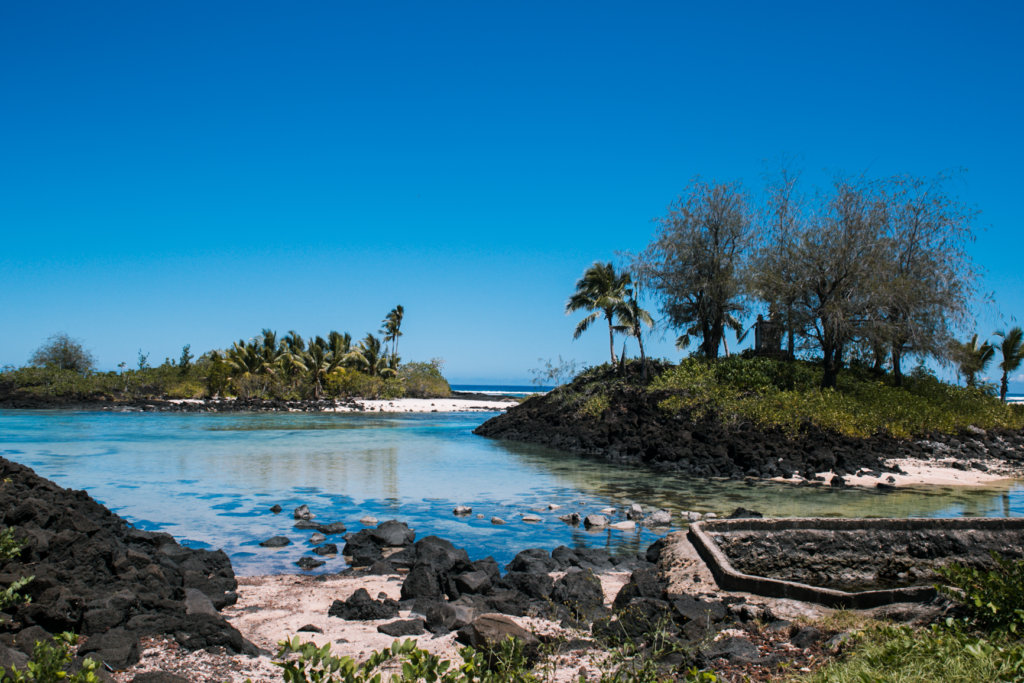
<point x="787" y="395"/>
<point x="51" y="661"/>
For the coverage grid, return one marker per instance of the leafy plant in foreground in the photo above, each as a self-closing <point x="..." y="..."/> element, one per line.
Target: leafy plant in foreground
<point x="993" y="597"/>
<point x="50" y="662"/>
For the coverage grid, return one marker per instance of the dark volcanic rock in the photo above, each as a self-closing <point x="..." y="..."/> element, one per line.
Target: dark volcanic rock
<point x="636" y="430"/>
<point x="360" y="606"/>
<point x="95" y="575"/>
<point x="402" y="627"/>
<point x="276" y="542"/>
<point x="533" y="560"/>
<point x="488" y="631"/>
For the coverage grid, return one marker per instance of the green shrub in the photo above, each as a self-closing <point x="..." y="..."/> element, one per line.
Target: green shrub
<point x="424" y="380"/>
<point x="307" y="663"/>
<point x="786" y="395"/>
<point x="50" y="662"/>
<point x="929" y="655"/>
<point x="10" y="547"/>
<point x="993" y="597"/>
<point x="350" y="383"/>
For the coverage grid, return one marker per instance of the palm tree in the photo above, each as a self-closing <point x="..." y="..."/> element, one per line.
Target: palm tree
<point x="600" y="290"/>
<point x="972" y="358"/>
<point x="370" y="357"/>
<point x="391" y="328"/>
<point x="631" y="318"/>
<point x="1012" y="350"/>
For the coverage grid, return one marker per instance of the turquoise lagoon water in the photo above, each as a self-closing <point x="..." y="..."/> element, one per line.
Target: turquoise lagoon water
<point x="210" y="479"/>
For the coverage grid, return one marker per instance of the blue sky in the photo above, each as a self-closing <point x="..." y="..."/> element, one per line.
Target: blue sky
<point x="190" y="172"/>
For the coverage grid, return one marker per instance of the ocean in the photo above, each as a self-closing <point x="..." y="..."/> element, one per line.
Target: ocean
<point x="211" y="479"/>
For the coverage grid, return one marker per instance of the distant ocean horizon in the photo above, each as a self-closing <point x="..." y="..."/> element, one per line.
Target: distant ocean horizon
<point x="516" y="390"/>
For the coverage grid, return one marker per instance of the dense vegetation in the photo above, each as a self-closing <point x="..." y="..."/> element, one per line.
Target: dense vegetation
<point x="265" y="367"/>
<point x="786" y="394"/>
<point x="870" y="271"/>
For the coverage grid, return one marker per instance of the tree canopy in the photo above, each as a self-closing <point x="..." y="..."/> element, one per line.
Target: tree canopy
<point x="63" y="353"/>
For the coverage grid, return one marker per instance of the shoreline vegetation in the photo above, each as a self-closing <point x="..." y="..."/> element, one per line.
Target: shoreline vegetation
<point x="769" y="418"/>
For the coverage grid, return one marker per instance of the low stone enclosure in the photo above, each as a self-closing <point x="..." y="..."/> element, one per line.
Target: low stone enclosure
<point x="853" y="563"/>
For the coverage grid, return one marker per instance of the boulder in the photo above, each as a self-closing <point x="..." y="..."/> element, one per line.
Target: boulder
<point x="302" y="512"/>
<point x="392" y="534"/>
<point x="533" y="560"/>
<point x="276" y="542"/>
<point x="595" y="521"/>
<point x="402" y="627"/>
<point x="309" y="563"/>
<point x="581" y="593"/>
<point x="361" y="607"/>
<point x="488" y="631"/>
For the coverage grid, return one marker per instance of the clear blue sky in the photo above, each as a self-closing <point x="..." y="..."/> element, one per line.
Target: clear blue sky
<point x="190" y="172"/>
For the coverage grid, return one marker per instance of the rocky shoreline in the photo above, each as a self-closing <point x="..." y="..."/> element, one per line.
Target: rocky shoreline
<point x="140" y="595"/>
<point x="634" y="430"/>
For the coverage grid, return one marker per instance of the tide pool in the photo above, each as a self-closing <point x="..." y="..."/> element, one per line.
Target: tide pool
<point x="210" y="480"/>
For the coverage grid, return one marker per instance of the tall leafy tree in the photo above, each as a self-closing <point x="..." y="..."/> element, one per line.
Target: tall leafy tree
<point x="696" y="261"/>
<point x="1011" y="348"/>
<point x="835" y="263"/>
<point x="923" y="277"/>
<point x="64" y="353"/>
<point x="601" y="290"/>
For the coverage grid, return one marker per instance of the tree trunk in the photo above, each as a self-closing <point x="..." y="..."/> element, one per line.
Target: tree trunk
<point x="829" y="369"/>
<point x="643" y="357"/>
<point x="789" y="332"/>
<point x="611" y="337"/>
<point x="897" y="369"/>
<point x="1003" y="387"/>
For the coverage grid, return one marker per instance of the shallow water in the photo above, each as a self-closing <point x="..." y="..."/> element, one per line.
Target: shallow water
<point x="210" y="480"/>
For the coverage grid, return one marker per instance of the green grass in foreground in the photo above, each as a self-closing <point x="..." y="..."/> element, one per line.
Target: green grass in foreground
<point x="787" y="395"/>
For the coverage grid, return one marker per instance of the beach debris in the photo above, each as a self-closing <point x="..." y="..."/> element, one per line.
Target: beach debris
<point x="571" y="518"/>
<point x="302" y="512"/>
<point x="308" y="563"/>
<point x="595" y="521"/>
<point x="276" y="542"/>
<point x="497" y="520"/>
<point x="553" y="506"/>
<point x="462" y="510"/>
<point x="635" y="512"/>
<point x="659" y="518"/>
<point x="625" y="525"/>
<point x="276" y="509"/>
<point x="368" y="521"/>
<point x="531" y="518"/>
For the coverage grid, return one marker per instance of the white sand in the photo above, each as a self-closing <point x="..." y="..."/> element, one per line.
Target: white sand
<point x="942" y="472"/>
<point x="425" y="405"/>
<point x="273" y="608"/>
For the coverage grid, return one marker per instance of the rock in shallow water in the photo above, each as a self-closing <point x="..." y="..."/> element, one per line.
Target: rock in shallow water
<point x="276" y="542"/>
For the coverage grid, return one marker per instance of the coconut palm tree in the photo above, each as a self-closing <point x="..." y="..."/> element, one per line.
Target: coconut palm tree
<point x="370" y="357"/>
<point x="391" y="328"/>
<point x="600" y="290"/>
<point x="972" y="358"/>
<point x="1012" y="350"/>
<point x="631" y="319"/>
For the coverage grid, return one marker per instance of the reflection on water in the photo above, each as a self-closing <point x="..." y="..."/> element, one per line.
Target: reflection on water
<point x="211" y="479"/>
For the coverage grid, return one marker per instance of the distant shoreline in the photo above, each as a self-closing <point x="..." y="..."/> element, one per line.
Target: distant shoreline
<point x="457" y="403"/>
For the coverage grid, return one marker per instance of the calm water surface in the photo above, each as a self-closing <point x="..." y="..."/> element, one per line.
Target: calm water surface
<point x="210" y="480"/>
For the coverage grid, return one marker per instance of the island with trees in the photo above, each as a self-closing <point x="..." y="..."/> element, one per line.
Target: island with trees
<point x="267" y="371"/>
<point x="849" y="282"/>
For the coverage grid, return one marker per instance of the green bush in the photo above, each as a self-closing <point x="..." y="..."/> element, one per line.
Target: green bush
<point x="307" y="663"/>
<point x="50" y="662"/>
<point x="424" y="380"/>
<point x="993" y="597"/>
<point x="786" y="395"/>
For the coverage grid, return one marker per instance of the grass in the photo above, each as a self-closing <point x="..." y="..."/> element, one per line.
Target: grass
<point x="786" y="395"/>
